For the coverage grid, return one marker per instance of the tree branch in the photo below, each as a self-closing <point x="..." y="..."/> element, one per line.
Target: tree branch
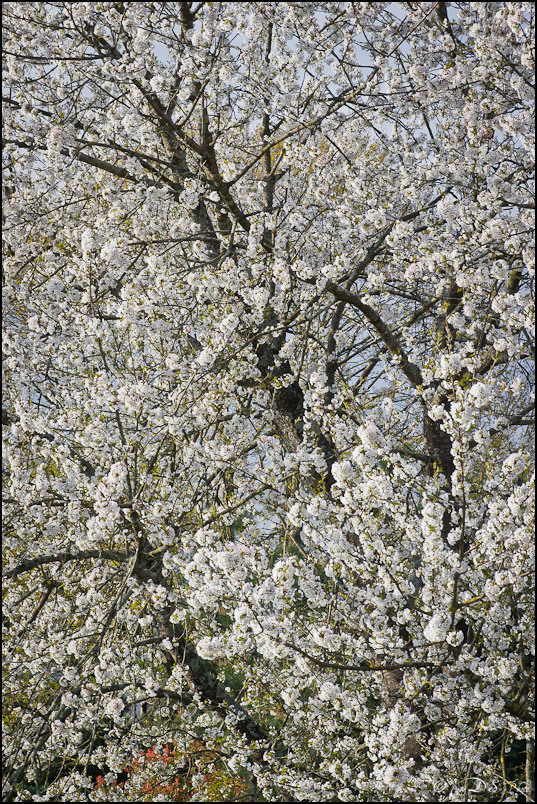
<point x="31" y="563"/>
<point x="361" y="668"/>
<point x="410" y="370"/>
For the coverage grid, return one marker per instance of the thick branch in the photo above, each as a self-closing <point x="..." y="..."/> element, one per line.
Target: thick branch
<point x="410" y="370"/>
<point x="61" y="558"/>
<point x="88" y="160"/>
<point x="361" y="668"/>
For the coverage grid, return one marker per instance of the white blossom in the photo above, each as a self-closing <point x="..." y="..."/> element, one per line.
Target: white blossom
<point x="268" y="321"/>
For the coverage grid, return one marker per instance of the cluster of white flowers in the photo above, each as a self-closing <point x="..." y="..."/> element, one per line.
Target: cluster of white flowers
<point x="267" y="346"/>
